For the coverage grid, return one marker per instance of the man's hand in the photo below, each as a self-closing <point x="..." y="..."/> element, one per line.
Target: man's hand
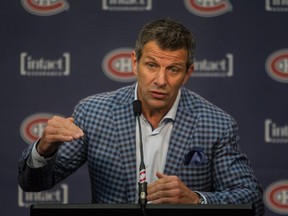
<point x="57" y="131"/>
<point x="170" y="189"/>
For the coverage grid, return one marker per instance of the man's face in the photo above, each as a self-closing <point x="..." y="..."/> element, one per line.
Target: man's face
<point x="160" y="74"/>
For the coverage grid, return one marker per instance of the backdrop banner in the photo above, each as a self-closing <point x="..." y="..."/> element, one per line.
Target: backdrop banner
<point x="56" y="52"/>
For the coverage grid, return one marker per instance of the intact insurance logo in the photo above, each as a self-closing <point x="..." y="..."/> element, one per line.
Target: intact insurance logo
<point x="275" y="133"/>
<point x="276" y="197"/>
<point x="208" y="8"/>
<point x="276" y="5"/>
<point x="127" y="5"/>
<point x="222" y="67"/>
<point x="44" y="66"/>
<point x="277" y="65"/>
<point x="58" y="194"/>
<point x="45" y="7"/>
<point x="32" y="127"/>
<point x="117" y="65"/>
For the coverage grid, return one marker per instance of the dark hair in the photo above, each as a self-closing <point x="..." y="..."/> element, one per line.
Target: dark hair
<point x="169" y="35"/>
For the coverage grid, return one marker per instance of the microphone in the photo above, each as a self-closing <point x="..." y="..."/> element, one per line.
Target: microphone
<point x="142" y="184"/>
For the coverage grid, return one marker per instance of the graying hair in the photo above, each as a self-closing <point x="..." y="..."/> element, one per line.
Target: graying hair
<point x="169" y="35"/>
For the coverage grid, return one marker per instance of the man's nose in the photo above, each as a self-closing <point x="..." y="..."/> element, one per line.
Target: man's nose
<point x="160" y="78"/>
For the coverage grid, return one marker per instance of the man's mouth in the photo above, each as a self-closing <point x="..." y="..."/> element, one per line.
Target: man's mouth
<point x="158" y="95"/>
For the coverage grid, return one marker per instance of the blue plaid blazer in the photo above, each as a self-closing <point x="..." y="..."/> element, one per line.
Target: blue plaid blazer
<point x="108" y="147"/>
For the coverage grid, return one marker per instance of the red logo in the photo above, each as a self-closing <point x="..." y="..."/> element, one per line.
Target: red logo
<point x="45" y="8"/>
<point x="117" y="65"/>
<point x="276" y="197"/>
<point x="33" y="126"/>
<point x="208" y="8"/>
<point x="277" y="65"/>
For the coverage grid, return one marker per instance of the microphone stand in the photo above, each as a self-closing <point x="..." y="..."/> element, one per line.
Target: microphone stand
<point x="142" y="184"/>
<point x="142" y="175"/>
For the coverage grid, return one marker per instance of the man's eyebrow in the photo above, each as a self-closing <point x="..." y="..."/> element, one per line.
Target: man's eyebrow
<point x="172" y="64"/>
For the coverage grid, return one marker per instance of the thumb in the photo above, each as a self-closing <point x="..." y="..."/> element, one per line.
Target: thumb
<point x="160" y="175"/>
<point x="70" y="119"/>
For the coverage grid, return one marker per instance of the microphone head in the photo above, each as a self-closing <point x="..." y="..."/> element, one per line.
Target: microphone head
<point x="137" y="107"/>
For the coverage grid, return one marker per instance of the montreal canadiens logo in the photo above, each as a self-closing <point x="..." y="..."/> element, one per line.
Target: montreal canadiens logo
<point x="208" y="8"/>
<point x="276" y="197"/>
<point x="33" y="126"/>
<point x="45" y="7"/>
<point x="277" y="65"/>
<point x="117" y="65"/>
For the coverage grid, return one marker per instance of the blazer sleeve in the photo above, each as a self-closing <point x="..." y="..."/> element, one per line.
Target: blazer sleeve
<point x="34" y="179"/>
<point x="234" y="180"/>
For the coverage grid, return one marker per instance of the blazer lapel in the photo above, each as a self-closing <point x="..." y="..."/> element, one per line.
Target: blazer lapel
<point x="125" y="126"/>
<point x="179" y="142"/>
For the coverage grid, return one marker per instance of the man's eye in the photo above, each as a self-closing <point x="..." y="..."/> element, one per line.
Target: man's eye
<point x="151" y="65"/>
<point x="174" y="69"/>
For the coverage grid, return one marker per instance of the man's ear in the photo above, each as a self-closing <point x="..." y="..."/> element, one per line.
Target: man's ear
<point x="134" y="62"/>
<point x="188" y="73"/>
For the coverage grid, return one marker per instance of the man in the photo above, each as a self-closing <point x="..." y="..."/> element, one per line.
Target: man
<point x="190" y="146"/>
